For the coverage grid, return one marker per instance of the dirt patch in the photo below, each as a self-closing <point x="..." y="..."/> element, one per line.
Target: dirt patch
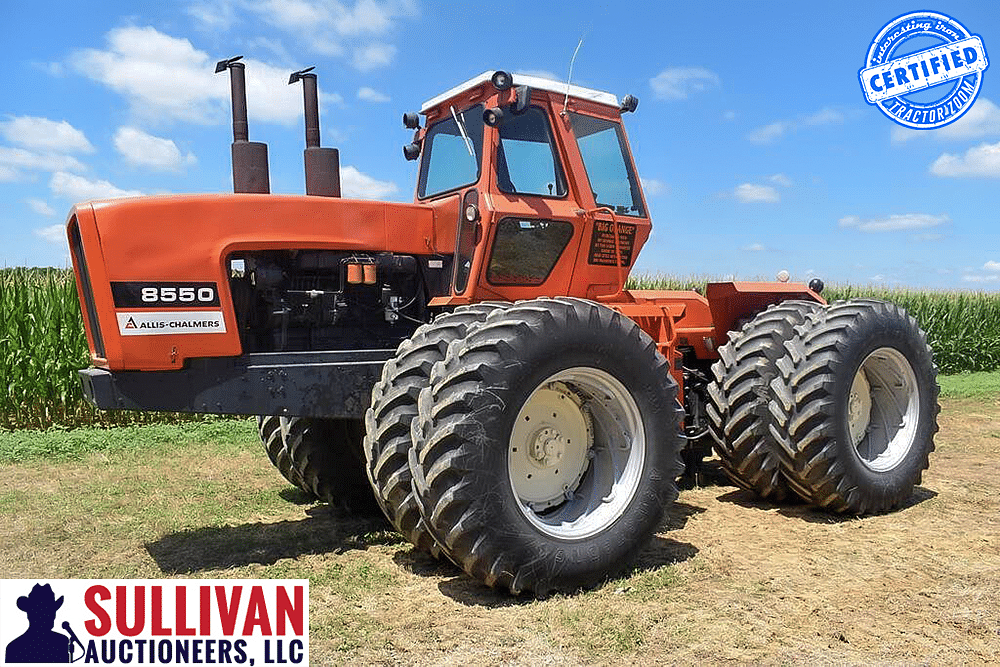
<point x="727" y="580"/>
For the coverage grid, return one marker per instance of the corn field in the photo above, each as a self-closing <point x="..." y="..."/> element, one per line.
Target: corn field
<point x="963" y="328"/>
<point x="42" y="343"/>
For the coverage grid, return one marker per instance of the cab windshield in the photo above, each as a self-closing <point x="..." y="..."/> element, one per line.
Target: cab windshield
<point x="451" y="153"/>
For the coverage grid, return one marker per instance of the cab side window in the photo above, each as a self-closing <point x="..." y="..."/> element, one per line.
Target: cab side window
<point x="525" y="251"/>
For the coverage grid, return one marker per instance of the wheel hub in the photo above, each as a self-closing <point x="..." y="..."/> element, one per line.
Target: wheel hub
<point x="859" y="407"/>
<point x="548" y="447"/>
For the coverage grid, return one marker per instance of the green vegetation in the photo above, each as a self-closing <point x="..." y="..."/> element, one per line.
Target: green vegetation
<point x="42" y="342"/>
<point x="42" y="345"/>
<point x="963" y="328"/>
<point x="57" y="444"/>
<point x="970" y="385"/>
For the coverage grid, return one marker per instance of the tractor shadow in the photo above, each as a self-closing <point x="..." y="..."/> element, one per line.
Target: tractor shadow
<point x="796" y="508"/>
<point x="324" y="530"/>
<point x="660" y="551"/>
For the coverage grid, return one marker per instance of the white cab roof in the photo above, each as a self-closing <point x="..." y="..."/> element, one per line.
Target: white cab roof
<point x="531" y="81"/>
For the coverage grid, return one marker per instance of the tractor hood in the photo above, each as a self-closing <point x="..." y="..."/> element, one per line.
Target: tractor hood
<point x="187" y="239"/>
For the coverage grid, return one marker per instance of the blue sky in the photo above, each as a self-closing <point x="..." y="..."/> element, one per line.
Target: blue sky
<point x="752" y="135"/>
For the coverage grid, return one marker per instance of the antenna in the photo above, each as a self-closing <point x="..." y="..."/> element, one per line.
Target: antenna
<point x="569" y="79"/>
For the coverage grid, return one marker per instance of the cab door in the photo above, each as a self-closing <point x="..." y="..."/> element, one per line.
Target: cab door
<point x="533" y="232"/>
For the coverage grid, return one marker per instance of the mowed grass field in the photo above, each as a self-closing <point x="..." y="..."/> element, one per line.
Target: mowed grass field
<point x="727" y="579"/>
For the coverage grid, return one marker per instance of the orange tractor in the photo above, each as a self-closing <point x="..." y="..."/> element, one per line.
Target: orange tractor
<point x="473" y="361"/>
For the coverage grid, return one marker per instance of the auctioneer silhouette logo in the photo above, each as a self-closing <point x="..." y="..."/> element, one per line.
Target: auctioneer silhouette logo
<point x="924" y="70"/>
<point x="155" y="621"/>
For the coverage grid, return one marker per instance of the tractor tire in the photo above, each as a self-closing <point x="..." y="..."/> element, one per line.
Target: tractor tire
<point x="394" y="405"/>
<point x="739" y="396"/>
<point x="274" y="446"/>
<point x="323" y="458"/>
<point x="547" y="446"/>
<point x="855" y="406"/>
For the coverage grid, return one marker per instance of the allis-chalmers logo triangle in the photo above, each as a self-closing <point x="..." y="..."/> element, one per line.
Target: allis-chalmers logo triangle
<point x="130" y="324"/>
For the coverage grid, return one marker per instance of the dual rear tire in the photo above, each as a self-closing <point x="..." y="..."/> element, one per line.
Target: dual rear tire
<point x="321" y="457"/>
<point x="836" y="405"/>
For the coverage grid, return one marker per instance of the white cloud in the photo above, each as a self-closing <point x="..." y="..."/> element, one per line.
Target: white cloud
<point x="769" y="133"/>
<point x="729" y="115"/>
<point x="55" y="69"/>
<point x="53" y="234"/>
<point x="44" y="134"/>
<point x="160" y="76"/>
<point x="878" y="278"/>
<point x="992" y="266"/>
<point x="328" y="27"/>
<point x="8" y="174"/>
<point x="676" y="83"/>
<point x="166" y="78"/>
<point x="982" y="120"/>
<point x="371" y="95"/>
<point x="981" y="161"/>
<point x="144" y="150"/>
<point x="77" y="188"/>
<point x="653" y="187"/>
<point x="373" y="56"/>
<point x="40" y="207"/>
<point x="754" y="247"/>
<point x="13" y="160"/>
<point x="751" y="192"/>
<point x="981" y="278"/>
<point x="780" y="179"/>
<point x="357" y="185"/>
<point x="894" y="222"/>
<point x="219" y="15"/>
<point x="825" y="116"/>
<point x="540" y="73"/>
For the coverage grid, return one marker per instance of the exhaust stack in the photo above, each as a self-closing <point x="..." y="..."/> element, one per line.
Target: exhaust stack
<point x="250" y="172"/>
<point x="322" y="165"/>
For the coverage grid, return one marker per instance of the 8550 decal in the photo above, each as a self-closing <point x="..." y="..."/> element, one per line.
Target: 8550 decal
<point x="164" y="294"/>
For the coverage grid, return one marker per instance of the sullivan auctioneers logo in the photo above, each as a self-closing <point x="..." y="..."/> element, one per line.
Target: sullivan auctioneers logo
<point x="161" y="622"/>
<point x="924" y="70"/>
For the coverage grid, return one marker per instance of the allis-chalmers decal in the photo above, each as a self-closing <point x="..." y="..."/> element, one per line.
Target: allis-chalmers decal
<point x="176" y="322"/>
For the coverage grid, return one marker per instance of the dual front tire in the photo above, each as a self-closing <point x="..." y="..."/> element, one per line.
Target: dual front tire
<point x="543" y="445"/>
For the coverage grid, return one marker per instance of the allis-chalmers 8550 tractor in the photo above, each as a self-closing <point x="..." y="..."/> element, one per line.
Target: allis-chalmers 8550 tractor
<point x="474" y="361"/>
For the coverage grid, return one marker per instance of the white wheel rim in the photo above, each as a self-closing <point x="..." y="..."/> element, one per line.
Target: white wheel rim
<point x="576" y="453"/>
<point x="883" y="409"/>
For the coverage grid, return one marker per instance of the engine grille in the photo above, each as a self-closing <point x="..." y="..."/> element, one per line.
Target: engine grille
<point x="89" y="308"/>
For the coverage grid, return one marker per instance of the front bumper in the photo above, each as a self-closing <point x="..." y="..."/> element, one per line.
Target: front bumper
<point x="294" y="384"/>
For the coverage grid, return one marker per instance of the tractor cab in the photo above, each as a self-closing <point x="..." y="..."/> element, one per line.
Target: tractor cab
<point x="542" y="182"/>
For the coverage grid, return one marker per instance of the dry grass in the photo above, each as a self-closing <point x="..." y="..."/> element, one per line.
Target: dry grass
<point x="727" y="580"/>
